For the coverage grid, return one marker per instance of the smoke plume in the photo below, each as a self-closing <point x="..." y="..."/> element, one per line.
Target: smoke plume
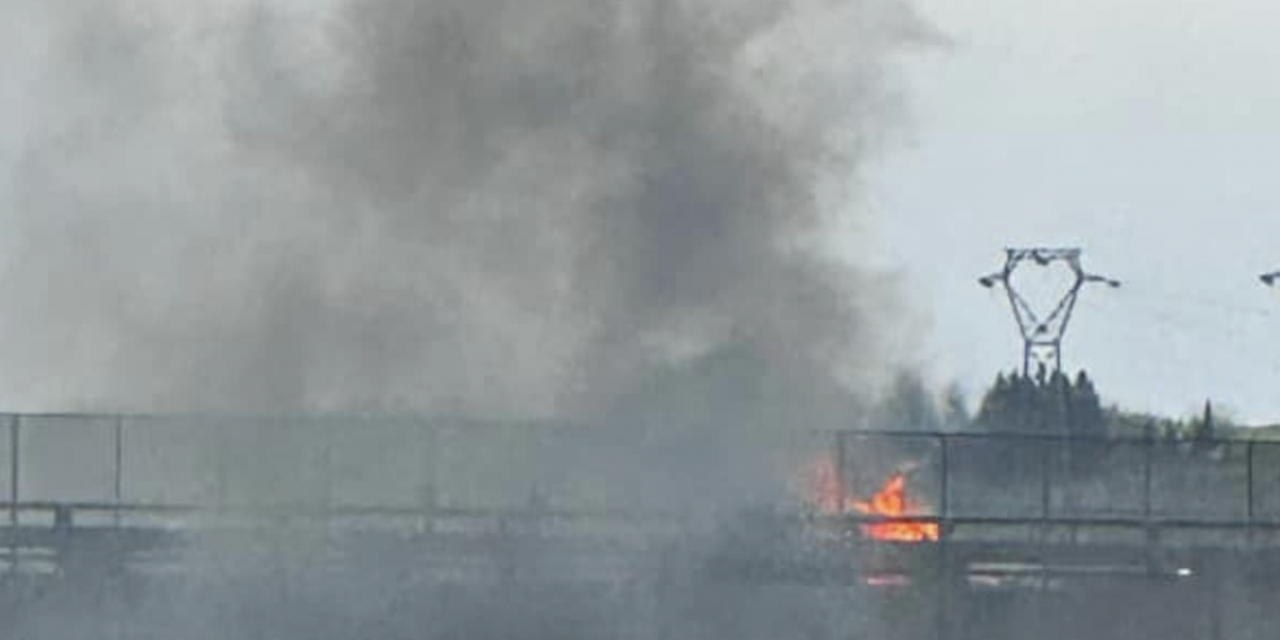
<point x="509" y="207"/>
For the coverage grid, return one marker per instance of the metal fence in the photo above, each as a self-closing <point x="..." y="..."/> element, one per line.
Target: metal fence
<point x="118" y="465"/>
<point x="130" y="466"/>
<point x="1027" y="478"/>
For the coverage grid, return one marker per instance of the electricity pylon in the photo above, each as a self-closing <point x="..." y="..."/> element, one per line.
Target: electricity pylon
<point x="1042" y="334"/>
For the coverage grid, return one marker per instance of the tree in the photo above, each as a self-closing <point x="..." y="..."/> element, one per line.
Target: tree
<point x="909" y="406"/>
<point x="1051" y="405"/>
<point x="1204" y="431"/>
<point x="955" y="410"/>
<point x="995" y="412"/>
<point x="1086" y="415"/>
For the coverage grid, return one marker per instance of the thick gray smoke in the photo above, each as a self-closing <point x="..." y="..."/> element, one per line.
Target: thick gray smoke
<point x="605" y="210"/>
<point x="508" y="207"/>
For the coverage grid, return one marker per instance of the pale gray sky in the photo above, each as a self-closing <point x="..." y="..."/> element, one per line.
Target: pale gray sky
<point x="1141" y="130"/>
<point x="1144" y="131"/>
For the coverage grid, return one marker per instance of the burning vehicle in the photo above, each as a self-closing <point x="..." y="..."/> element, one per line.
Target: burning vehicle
<point x="891" y="502"/>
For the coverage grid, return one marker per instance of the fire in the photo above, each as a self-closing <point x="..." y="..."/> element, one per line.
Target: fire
<point x="891" y="501"/>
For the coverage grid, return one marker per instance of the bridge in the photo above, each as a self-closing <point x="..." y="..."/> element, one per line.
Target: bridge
<point x="1024" y="519"/>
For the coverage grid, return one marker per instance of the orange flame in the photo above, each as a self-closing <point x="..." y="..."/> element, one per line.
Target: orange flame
<point x="891" y="501"/>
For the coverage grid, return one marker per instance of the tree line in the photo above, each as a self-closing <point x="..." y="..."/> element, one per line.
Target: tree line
<point x="1041" y="404"/>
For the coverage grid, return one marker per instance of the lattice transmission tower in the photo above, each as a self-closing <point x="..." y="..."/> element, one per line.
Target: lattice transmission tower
<point x="1042" y="332"/>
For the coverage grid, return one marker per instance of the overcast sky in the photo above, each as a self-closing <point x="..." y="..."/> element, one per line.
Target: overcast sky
<point x="1143" y="131"/>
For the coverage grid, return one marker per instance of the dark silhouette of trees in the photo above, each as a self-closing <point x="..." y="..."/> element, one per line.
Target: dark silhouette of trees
<point x="908" y="406"/>
<point x="1204" y="430"/>
<point x="955" y="410"/>
<point x="1046" y="404"/>
<point x="1087" y="416"/>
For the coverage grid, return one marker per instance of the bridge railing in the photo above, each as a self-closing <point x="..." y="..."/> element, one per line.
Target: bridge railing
<point x="112" y="467"/>
<point x="108" y="468"/>
<point x="1029" y="478"/>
